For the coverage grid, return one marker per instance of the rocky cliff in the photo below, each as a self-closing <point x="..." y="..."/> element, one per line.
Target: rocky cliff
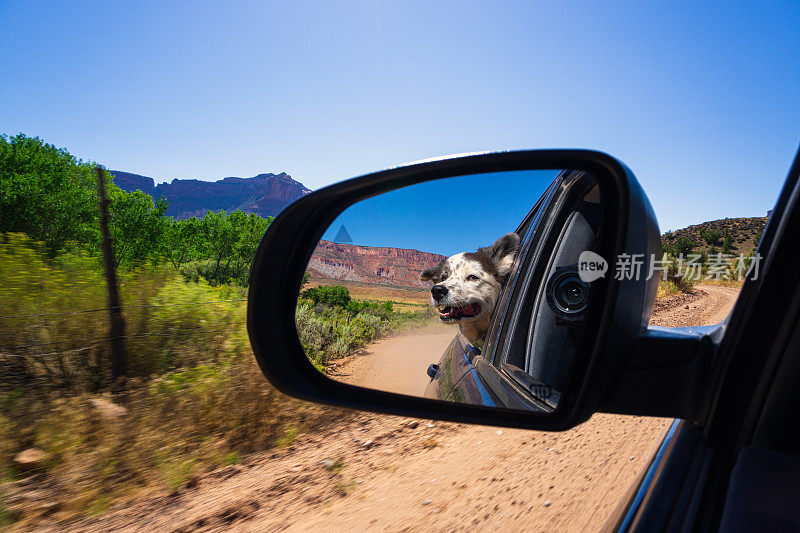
<point x="399" y="267"/>
<point x="265" y="194"/>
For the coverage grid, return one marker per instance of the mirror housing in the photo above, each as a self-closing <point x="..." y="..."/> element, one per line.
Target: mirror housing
<point x="625" y="304"/>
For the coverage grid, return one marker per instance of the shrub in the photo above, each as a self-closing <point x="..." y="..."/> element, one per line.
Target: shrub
<point x="676" y="279"/>
<point x="329" y="332"/>
<point x="681" y="245"/>
<point x="711" y="236"/>
<point x="727" y="243"/>
<point x="328" y="294"/>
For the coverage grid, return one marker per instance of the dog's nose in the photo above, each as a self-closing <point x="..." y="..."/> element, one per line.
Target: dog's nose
<point x="438" y="291"/>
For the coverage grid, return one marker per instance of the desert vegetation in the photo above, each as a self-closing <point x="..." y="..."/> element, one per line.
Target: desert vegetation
<point x="728" y="235"/>
<point x="192" y="399"/>
<point x="332" y="325"/>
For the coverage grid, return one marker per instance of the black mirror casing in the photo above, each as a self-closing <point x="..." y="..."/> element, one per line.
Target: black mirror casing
<point x="623" y="312"/>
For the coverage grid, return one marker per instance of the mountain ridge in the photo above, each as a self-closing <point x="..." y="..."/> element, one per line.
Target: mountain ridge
<point x="381" y="265"/>
<point x="265" y="194"/>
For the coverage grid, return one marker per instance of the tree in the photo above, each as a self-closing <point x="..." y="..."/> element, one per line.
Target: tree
<point x="681" y="245"/>
<point x="337" y="295"/>
<point x="181" y="241"/>
<point x="250" y="229"/>
<point x="219" y="239"/>
<point x="46" y="193"/>
<point x="138" y="227"/>
<point x="711" y="236"/>
<point x="727" y="242"/>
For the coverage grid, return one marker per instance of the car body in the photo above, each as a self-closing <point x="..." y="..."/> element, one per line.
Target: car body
<point x="731" y="459"/>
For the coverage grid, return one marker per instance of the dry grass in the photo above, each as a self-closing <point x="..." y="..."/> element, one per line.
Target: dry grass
<point x="667" y="288"/>
<point x="176" y="428"/>
<point x="195" y="400"/>
<point x="724" y="282"/>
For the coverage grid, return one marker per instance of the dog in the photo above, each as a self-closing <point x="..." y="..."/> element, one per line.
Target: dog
<point x="467" y="285"/>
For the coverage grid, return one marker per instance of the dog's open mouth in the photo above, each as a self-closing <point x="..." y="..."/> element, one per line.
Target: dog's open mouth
<point x="454" y="313"/>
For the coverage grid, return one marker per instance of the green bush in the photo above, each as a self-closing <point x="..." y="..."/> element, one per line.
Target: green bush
<point x="711" y="236"/>
<point x="55" y="328"/>
<point x="676" y="278"/>
<point x="680" y="245"/>
<point x="329" y="332"/>
<point x="328" y="294"/>
<point x="727" y="243"/>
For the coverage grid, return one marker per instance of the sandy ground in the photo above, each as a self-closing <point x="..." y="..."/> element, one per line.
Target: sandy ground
<point x="709" y="305"/>
<point x="388" y="473"/>
<point x="397" y="364"/>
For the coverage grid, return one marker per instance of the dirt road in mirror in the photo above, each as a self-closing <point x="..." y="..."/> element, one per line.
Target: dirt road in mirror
<point x="397" y="364"/>
<point x="390" y="473"/>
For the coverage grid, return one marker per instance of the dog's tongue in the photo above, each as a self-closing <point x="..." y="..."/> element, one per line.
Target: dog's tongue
<point x="467" y="310"/>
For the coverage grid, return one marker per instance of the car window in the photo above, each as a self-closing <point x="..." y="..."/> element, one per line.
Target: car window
<point x="545" y="323"/>
<point x="529" y="232"/>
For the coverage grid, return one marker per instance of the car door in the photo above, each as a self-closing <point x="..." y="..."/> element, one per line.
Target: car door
<point x="734" y="385"/>
<point x="738" y="469"/>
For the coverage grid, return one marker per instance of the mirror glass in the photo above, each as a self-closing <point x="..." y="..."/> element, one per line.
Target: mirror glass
<point x="462" y="289"/>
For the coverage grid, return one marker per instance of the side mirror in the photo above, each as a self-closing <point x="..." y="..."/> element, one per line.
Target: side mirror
<point x="495" y="272"/>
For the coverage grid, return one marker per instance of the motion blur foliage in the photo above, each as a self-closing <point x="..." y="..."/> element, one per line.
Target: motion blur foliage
<point x="195" y="398"/>
<point x="55" y="326"/>
<point x="178" y="425"/>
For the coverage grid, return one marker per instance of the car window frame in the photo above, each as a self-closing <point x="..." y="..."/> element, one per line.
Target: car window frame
<point x="532" y="226"/>
<point x="532" y="251"/>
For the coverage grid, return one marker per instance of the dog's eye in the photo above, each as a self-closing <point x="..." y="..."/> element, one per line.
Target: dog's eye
<point x="444" y="277"/>
<point x="472" y="277"/>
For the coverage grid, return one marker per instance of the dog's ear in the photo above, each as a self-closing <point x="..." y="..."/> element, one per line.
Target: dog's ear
<point x="503" y="252"/>
<point x="432" y="273"/>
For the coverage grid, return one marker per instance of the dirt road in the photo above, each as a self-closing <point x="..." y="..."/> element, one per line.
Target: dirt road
<point x="390" y="473"/>
<point x="709" y="304"/>
<point x="397" y="364"/>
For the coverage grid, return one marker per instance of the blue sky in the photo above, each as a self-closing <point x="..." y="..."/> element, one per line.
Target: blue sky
<point x="701" y="101"/>
<point x="445" y="216"/>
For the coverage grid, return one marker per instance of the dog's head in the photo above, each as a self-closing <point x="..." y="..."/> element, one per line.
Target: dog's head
<point x="467" y="285"/>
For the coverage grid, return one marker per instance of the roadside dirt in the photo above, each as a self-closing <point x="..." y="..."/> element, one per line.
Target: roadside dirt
<point x="390" y="473"/>
<point x="709" y="304"/>
<point x="397" y="364"/>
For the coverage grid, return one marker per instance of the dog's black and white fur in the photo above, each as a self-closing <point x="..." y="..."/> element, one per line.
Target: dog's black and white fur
<point x="467" y="285"/>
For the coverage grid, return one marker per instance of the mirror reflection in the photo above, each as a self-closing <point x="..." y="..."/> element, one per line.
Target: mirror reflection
<point x="430" y="290"/>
